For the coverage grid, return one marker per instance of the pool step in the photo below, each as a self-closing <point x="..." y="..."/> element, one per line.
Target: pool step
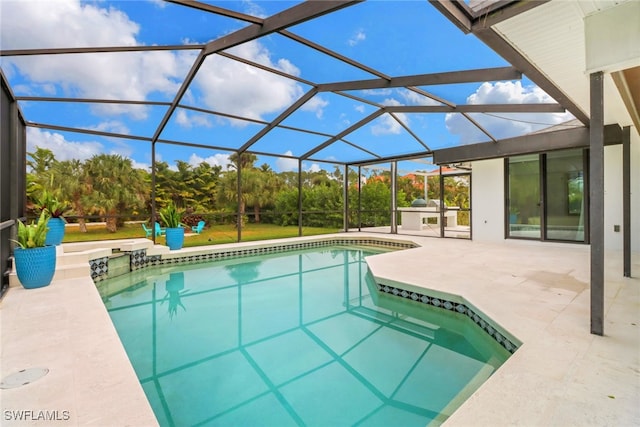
<point x="76" y="261"/>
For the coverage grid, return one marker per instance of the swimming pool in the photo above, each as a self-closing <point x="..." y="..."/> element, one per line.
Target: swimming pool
<point x="293" y="338"/>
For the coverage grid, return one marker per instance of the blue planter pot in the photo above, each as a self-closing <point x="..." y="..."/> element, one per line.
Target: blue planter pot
<point x="175" y="238"/>
<point x="35" y="267"/>
<point x="56" y="231"/>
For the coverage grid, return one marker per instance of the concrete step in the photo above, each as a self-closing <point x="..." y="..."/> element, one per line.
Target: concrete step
<point x="158" y="250"/>
<point x="63" y="272"/>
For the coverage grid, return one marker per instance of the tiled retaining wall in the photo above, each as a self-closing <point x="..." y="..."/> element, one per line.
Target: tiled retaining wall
<point x="99" y="268"/>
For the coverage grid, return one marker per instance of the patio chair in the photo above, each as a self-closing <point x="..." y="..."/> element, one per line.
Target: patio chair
<point x="198" y="228"/>
<point x="147" y="231"/>
<point x="160" y="231"/>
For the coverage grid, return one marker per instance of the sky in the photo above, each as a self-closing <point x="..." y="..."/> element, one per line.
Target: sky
<point x="398" y="38"/>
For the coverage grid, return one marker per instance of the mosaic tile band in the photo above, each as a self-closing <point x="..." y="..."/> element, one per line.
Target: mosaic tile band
<point x="454" y="307"/>
<point x="140" y="259"/>
<point x="99" y="268"/>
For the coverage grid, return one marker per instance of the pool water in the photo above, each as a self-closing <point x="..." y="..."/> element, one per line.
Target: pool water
<point x="295" y="338"/>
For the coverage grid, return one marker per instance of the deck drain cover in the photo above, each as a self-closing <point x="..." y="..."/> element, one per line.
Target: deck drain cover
<point x="23" y="377"/>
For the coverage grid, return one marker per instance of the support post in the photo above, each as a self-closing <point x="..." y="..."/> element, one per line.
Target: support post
<point x="345" y="198"/>
<point x="359" y="198"/>
<point x="239" y="191"/>
<point x="299" y="197"/>
<point x="596" y="202"/>
<point x="153" y="191"/>
<point x="626" y="200"/>
<point x="394" y="205"/>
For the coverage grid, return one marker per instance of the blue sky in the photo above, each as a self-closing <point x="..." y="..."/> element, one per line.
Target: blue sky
<point x="397" y="38"/>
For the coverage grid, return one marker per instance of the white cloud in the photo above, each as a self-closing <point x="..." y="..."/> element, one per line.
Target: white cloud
<point x="360" y="108"/>
<point x="378" y="92"/>
<point x="189" y="120"/>
<point x="233" y="87"/>
<point x="316" y="105"/>
<point x="285" y="164"/>
<point x="414" y="98"/>
<point x="159" y="3"/>
<point x="218" y="159"/>
<point x="313" y="167"/>
<point x="386" y="124"/>
<point x="254" y="9"/>
<point x="224" y="85"/>
<point x="139" y="165"/>
<point x="357" y="38"/>
<point x="504" y="125"/>
<point x="113" y="126"/>
<point x="69" y="23"/>
<point x="61" y="148"/>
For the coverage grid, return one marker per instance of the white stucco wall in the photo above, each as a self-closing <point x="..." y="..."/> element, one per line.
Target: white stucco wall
<point x="635" y="190"/>
<point x="487" y="197"/>
<point x="487" y="200"/>
<point x="613" y="195"/>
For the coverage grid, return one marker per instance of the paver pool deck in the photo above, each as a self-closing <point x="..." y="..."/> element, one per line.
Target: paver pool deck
<point x="560" y="376"/>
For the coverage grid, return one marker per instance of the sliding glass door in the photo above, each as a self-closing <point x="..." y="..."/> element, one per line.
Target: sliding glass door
<point x="523" y="200"/>
<point x="565" y="213"/>
<point x="546" y="196"/>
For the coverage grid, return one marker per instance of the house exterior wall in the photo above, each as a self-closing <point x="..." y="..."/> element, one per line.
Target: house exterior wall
<point x="613" y="197"/>
<point x="635" y="190"/>
<point x="613" y="240"/>
<point x="488" y="198"/>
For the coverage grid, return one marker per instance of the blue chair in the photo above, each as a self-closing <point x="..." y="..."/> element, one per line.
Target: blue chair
<point x="198" y="228"/>
<point x="159" y="230"/>
<point x="147" y="231"/>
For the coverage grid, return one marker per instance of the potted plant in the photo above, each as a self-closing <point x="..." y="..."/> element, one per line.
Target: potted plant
<point x="172" y="219"/>
<point x="55" y="209"/>
<point x="35" y="261"/>
<point x="513" y="215"/>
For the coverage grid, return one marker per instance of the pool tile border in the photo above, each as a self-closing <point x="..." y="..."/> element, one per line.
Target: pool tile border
<point x="99" y="268"/>
<point x="140" y="259"/>
<point x="457" y="307"/>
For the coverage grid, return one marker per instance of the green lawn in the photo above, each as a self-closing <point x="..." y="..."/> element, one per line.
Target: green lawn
<point x="211" y="235"/>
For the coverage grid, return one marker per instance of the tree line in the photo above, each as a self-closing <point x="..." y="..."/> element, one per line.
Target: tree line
<point x="107" y="187"/>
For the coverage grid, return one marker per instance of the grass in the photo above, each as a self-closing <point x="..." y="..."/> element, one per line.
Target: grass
<point x="211" y="235"/>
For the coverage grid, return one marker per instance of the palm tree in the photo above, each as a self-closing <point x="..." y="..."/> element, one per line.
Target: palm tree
<point x="40" y="168"/>
<point x="73" y="186"/>
<point x="265" y="186"/>
<point x="247" y="160"/>
<point x="114" y="187"/>
<point x="204" y="187"/>
<point x="229" y="183"/>
<point x="228" y="192"/>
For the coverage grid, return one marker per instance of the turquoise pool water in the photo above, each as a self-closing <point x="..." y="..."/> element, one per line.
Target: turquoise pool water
<point x="296" y="338"/>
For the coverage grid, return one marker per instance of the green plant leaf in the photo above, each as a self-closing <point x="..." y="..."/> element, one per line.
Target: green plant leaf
<point x="34" y="234"/>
